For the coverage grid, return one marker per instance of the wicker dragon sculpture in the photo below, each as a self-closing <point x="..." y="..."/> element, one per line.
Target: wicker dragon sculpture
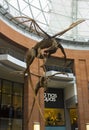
<point x="49" y="45"/>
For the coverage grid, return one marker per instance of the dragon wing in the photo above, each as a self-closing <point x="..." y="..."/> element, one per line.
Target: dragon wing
<point x="35" y="28"/>
<point x="74" y="24"/>
<point x="32" y="25"/>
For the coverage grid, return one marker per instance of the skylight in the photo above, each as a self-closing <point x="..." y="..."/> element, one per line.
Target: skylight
<point x="53" y="15"/>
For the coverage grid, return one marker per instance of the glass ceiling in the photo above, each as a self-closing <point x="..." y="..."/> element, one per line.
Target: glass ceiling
<point x="53" y="15"/>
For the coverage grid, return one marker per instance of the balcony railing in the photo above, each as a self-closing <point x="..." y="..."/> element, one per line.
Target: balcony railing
<point x="60" y="69"/>
<point x="16" y="54"/>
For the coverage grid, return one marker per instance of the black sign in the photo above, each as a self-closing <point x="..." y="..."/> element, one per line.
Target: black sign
<point x="54" y="98"/>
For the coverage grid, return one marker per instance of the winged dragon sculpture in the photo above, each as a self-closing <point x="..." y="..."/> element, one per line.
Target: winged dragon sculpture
<point x="49" y="43"/>
<point x="43" y="49"/>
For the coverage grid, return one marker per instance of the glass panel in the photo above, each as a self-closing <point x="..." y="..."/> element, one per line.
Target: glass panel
<point x="0" y="86"/>
<point x="54" y="117"/>
<point x="17" y="101"/>
<point x="6" y="106"/>
<point x="17" y="104"/>
<point x="6" y="99"/>
<point x="17" y="89"/>
<point x="7" y="87"/>
<point x="5" y="124"/>
<point x="17" y="124"/>
<point x="11" y="106"/>
<point x="0" y="97"/>
<point x="74" y="118"/>
<point x="0" y="104"/>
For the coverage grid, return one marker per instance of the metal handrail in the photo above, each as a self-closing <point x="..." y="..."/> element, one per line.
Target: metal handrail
<point x="58" y="68"/>
<point x="14" y="53"/>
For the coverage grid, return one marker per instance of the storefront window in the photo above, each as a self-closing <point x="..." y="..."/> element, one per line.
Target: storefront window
<point x="17" y="124"/>
<point x="54" y="107"/>
<point x="7" y="87"/>
<point x="6" y="99"/>
<point x="0" y="86"/>
<point x="74" y="118"/>
<point x="0" y="97"/>
<point x="11" y="95"/>
<point x="17" y="100"/>
<point x="17" y="89"/>
<point x="4" y="124"/>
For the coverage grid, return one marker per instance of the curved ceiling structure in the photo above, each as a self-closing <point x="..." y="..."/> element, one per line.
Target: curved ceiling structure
<point x="52" y="16"/>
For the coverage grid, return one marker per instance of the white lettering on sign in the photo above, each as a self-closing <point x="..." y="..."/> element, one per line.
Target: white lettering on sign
<point x="50" y="97"/>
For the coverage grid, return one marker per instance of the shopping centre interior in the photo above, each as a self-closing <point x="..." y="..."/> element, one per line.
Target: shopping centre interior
<point x="64" y="104"/>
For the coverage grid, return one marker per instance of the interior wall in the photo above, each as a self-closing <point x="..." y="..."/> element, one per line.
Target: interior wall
<point x="81" y="67"/>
